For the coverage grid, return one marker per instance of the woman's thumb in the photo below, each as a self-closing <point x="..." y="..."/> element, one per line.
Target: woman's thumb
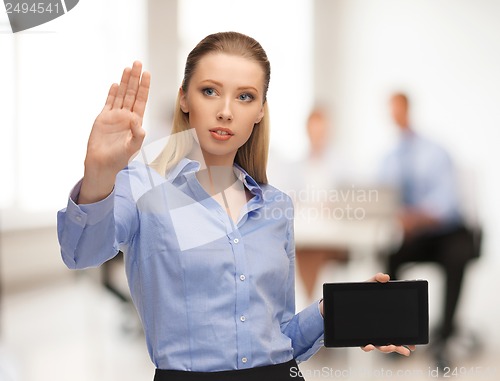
<point x="138" y="132"/>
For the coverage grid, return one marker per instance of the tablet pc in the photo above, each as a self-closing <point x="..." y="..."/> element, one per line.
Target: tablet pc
<point x="358" y="314"/>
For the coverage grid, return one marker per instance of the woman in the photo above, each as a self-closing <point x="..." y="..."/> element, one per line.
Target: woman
<point x="208" y="244"/>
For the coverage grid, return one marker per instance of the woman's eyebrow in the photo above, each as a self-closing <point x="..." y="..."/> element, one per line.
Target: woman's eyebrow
<point x="212" y="82"/>
<point x="217" y="83"/>
<point x="248" y="88"/>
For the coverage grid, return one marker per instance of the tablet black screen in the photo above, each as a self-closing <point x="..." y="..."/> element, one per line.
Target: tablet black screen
<point x="375" y="313"/>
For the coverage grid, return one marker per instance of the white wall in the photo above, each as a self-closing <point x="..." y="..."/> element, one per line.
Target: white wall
<point x="55" y="79"/>
<point x="446" y="55"/>
<point x="60" y="72"/>
<point x="284" y="29"/>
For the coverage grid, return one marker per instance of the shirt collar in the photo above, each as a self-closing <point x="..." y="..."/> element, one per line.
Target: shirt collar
<point x="406" y="139"/>
<point x="248" y="180"/>
<point x="186" y="166"/>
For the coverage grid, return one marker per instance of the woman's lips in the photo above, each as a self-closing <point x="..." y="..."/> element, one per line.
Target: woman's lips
<point x="220" y="133"/>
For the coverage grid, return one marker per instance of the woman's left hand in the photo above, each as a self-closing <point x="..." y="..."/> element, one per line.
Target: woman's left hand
<point x="404" y="350"/>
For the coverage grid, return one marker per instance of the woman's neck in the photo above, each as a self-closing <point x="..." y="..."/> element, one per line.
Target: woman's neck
<point x="208" y="160"/>
<point x="216" y="179"/>
<point x="216" y="172"/>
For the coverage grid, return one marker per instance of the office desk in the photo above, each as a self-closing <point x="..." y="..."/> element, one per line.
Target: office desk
<point x="363" y="235"/>
<point x="364" y="238"/>
<point x="372" y="233"/>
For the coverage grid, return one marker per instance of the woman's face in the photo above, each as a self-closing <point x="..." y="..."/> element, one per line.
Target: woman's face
<point x="224" y="101"/>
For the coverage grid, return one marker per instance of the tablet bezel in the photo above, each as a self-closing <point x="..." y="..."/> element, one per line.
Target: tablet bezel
<point x="423" y="313"/>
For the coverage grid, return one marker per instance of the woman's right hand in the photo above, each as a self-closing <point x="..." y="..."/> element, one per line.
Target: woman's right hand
<point x="116" y="135"/>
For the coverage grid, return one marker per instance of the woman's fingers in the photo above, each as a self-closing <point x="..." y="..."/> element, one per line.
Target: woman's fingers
<point x="404" y="350"/>
<point x="142" y="94"/>
<point x="388" y="348"/>
<point x="368" y="348"/>
<point x="122" y="89"/>
<point x="132" y="86"/>
<point x="113" y="90"/>
<point x="132" y="92"/>
<point x="380" y="277"/>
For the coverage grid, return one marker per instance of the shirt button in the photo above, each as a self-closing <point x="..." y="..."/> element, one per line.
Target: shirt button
<point x="242" y="318"/>
<point x="78" y="218"/>
<point x="236" y="240"/>
<point x="244" y="360"/>
<point x="242" y="277"/>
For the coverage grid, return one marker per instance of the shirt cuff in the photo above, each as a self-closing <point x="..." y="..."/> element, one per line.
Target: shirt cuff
<point x="312" y="324"/>
<point x="88" y="214"/>
<point x="312" y="328"/>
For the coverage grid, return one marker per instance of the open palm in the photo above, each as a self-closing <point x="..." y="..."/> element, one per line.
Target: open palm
<point x="117" y="133"/>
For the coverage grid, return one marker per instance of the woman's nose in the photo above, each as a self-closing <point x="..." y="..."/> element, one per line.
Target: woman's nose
<point x="225" y="112"/>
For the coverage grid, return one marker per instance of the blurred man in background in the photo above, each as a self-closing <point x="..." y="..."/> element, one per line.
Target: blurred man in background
<point x="430" y="217"/>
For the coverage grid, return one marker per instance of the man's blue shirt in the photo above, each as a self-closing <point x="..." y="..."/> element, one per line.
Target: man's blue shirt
<point x="424" y="174"/>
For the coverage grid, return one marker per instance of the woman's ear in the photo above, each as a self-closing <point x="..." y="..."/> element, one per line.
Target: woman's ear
<point x="183" y="101"/>
<point x="261" y="114"/>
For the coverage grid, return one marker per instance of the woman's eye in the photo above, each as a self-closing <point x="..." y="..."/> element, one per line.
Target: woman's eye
<point x="209" y="91"/>
<point x="246" y="97"/>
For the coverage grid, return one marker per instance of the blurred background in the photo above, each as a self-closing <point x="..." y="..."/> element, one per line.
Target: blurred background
<point x="348" y="56"/>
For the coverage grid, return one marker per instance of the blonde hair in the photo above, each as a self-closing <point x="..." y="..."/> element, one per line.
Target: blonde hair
<point x="251" y="156"/>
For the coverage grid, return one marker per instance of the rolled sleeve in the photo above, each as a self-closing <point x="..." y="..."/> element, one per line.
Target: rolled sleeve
<point x="75" y="219"/>
<point x="306" y="330"/>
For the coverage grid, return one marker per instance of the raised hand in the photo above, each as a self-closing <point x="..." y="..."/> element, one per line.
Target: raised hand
<point x="116" y="135"/>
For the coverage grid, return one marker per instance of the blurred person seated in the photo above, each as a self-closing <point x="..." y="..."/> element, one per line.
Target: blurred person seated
<point x="310" y="182"/>
<point x="431" y="219"/>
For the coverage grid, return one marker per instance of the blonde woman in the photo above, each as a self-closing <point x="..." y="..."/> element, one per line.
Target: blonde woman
<point x="208" y="244"/>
